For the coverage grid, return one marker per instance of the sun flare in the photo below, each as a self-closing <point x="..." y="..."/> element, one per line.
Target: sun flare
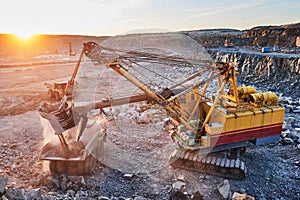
<point x="24" y="35"/>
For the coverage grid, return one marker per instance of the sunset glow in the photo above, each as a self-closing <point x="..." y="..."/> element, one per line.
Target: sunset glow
<point x="24" y="35"/>
<point x="99" y="17"/>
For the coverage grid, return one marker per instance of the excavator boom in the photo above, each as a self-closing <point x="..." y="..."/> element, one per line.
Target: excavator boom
<point x="211" y="132"/>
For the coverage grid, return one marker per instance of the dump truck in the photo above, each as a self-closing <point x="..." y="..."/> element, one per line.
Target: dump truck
<point x="211" y="130"/>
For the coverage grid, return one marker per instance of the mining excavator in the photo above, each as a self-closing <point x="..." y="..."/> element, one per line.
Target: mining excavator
<point x="211" y="133"/>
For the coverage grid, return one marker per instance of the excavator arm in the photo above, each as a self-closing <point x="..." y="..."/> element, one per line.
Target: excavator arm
<point x="215" y="139"/>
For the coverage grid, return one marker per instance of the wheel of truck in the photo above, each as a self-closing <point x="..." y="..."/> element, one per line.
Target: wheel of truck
<point x="56" y="95"/>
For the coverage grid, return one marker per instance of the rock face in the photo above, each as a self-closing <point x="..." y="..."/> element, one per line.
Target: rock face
<point x="276" y="72"/>
<point x="284" y="36"/>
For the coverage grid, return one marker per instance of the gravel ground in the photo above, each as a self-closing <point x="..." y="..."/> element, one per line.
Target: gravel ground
<point x="273" y="170"/>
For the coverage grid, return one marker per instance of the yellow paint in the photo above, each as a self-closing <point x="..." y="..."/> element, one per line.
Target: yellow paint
<point x="259" y="117"/>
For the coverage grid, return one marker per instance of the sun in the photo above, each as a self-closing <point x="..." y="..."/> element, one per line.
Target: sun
<point x="24" y="35"/>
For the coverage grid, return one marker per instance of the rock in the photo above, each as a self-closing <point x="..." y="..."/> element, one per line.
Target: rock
<point x="178" y="195"/>
<point x="180" y="178"/>
<point x="103" y="198"/>
<point x="243" y="190"/>
<point x="201" y="177"/>
<point x="196" y="196"/>
<point x="144" y="119"/>
<point x="208" y="177"/>
<point x="290" y="121"/>
<point x="298" y="146"/>
<point x="15" y="194"/>
<point x="224" y="189"/>
<point x="178" y="185"/>
<point x="160" y="124"/>
<point x="63" y="185"/>
<point x="34" y="194"/>
<point x="287" y="140"/>
<point x="139" y="198"/>
<point x="124" y="117"/>
<point x="128" y="176"/>
<point x="51" y="181"/>
<point x="3" y="182"/>
<point x="238" y="196"/>
<point x="78" y="180"/>
<point x="285" y="133"/>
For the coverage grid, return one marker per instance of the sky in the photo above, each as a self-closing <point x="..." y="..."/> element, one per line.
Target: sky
<point x="113" y="17"/>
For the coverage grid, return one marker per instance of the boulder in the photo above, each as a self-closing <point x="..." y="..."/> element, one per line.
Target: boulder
<point x="178" y="185"/>
<point x="34" y="194"/>
<point x="15" y="194"/>
<point x="290" y="121"/>
<point x="3" y="182"/>
<point x="287" y="140"/>
<point x="224" y="189"/>
<point x="238" y="196"/>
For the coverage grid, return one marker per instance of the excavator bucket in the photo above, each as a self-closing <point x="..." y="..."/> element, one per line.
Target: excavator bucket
<point x="75" y="149"/>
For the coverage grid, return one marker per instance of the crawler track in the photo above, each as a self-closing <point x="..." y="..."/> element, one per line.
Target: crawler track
<point x="214" y="163"/>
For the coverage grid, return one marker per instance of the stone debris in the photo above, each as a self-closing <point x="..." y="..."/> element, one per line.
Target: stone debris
<point x="128" y="176"/>
<point x="180" y="178"/>
<point x="290" y="135"/>
<point x="196" y="196"/>
<point x="224" y="190"/>
<point x="78" y="180"/>
<point x="15" y="194"/>
<point x="238" y="196"/>
<point x="144" y="119"/>
<point x="140" y="198"/>
<point x="3" y="182"/>
<point x="178" y="185"/>
<point x="290" y="122"/>
<point x="18" y="194"/>
<point x="178" y="195"/>
<point x="287" y="140"/>
<point x="103" y="198"/>
<point x="34" y="194"/>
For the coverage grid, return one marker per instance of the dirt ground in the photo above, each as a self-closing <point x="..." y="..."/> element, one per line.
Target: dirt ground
<point x="273" y="171"/>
